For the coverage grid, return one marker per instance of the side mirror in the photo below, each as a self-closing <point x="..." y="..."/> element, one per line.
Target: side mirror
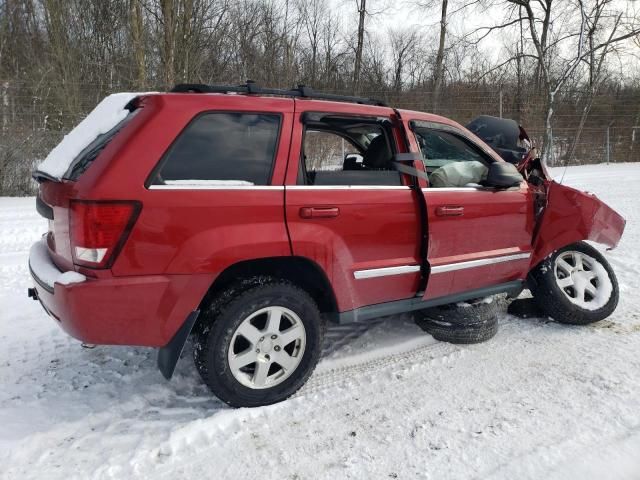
<point x="503" y="175"/>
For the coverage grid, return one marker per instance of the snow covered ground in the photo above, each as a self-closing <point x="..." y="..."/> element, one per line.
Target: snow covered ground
<point x="540" y="400"/>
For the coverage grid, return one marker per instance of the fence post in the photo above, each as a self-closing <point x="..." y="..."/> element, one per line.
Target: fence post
<point x="500" y="101"/>
<point x="608" y="126"/>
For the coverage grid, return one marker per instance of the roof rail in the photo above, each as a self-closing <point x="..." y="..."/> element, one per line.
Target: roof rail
<point x="301" y="91"/>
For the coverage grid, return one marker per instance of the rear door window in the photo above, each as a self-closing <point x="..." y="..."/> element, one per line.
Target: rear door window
<point x="222" y="149"/>
<point x="347" y="152"/>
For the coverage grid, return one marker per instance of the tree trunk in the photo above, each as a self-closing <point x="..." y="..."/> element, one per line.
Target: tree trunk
<point x="635" y="132"/>
<point x="137" y="39"/>
<point x="519" y="73"/>
<point x="168" y="41"/>
<point x="438" y="71"/>
<point x="362" y="11"/>
<point x="185" y="39"/>
<point x="578" y="134"/>
<point x="547" y="144"/>
<point x="541" y="67"/>
<point x="5" y="106"/>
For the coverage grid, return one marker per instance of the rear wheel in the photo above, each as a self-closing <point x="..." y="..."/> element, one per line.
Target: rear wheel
<point x="575" y="285"/>
<point x="262" y="346"/>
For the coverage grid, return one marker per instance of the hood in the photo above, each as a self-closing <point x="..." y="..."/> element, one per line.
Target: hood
<point x="505" y="136"/>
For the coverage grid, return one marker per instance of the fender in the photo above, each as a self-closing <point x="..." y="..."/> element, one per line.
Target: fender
<point x="214" y="249"/>
<point x="571" y="216"/>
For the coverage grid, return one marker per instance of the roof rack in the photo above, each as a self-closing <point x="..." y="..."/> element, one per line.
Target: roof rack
<point x="301" y="91"/>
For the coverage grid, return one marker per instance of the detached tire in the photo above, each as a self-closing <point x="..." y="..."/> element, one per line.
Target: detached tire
<point x="474" y="321"/>
<point x="469" y="333"/>
<point x="470" y="312"/>
<point x="575" y="285"/>
<point x="261" y="345"/>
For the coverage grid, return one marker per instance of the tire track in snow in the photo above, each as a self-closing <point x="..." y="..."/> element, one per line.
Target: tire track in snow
<point x="429" y="354"/>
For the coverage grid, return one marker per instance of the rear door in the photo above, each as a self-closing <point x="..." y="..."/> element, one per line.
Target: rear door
<point x="347" y="208"/>
<point x="216" y="195"/>
<point x="479" y="237"/>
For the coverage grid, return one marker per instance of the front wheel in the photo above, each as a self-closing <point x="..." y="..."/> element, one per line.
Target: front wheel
<point x="575" y="285"/>
<point x="262" y="345"/>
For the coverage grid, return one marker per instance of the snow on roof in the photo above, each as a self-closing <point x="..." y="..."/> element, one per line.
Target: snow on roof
<point x="107" y="114"/>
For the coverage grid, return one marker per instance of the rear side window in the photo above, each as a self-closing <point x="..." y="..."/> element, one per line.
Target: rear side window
<point x="222" y="149"/>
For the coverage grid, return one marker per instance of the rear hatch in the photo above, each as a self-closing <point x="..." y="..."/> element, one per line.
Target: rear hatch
<point x="73" y="223"/>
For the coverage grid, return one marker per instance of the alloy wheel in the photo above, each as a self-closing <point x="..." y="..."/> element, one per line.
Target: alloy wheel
<point x="582" y="279"/>
<point x="267" y="347"/>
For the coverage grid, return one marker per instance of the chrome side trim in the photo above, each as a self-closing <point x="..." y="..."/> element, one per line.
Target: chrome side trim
<point x="386" y="271"/>
<point x="450" y="267"/>
<point x="216" y="187"/>
<point x="457" y="189"/>
<point x="348" y="187"/>
<point x="278" y="187"/>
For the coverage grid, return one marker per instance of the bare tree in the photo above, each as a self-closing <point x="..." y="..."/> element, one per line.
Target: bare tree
<point x="168" y="24"/>
<point x="552" y="69"/>
<point x="571" y="64"/>
<point x="357" y="66"/>
<point x="313" y="13"/>
<point x="403" y="46"/>
<point x="438" y="68"/>
<point x="595" y="62"/>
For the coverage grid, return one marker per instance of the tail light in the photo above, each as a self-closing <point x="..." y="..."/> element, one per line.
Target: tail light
<point x="99" y="229"/>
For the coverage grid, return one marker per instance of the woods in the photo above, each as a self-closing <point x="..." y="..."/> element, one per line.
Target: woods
<point x="568" y="70"/>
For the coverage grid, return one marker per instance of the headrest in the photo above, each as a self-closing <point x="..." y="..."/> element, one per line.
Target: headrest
<point x="377" y="156"/>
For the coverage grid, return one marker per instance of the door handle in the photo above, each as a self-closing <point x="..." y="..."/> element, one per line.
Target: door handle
<point x="319" y="212"/>
<point x="450" y="211"/>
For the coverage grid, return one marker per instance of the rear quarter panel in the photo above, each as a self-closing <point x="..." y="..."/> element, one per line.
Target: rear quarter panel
<point x="191" y="230"/>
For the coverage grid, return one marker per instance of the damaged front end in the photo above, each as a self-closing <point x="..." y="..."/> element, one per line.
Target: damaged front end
<point x="563" y="214"/>
<point x="571" y="216"/>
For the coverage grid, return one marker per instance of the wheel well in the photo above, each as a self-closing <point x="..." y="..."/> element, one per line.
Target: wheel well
<point x="303" y="272"/>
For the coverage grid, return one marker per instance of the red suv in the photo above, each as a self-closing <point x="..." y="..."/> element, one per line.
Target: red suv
<point x="250" y="216"/>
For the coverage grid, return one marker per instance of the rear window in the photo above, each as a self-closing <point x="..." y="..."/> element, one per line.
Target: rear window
<point x="222" y="149"/>
<point x="91" y="152"/>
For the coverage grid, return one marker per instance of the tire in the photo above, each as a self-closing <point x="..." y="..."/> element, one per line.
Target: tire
<point x="469" y="333"/>
<point x="465" y="313"/>
<point x="221" y="349"/>
<point x="575" y="285"/>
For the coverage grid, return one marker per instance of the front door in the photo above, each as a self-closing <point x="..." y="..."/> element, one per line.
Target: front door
<point x="479" y="237"/>
<point x="347" y="208"/>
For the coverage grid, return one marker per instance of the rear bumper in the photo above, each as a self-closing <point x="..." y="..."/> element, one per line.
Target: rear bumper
<point x="142" y="310"/>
